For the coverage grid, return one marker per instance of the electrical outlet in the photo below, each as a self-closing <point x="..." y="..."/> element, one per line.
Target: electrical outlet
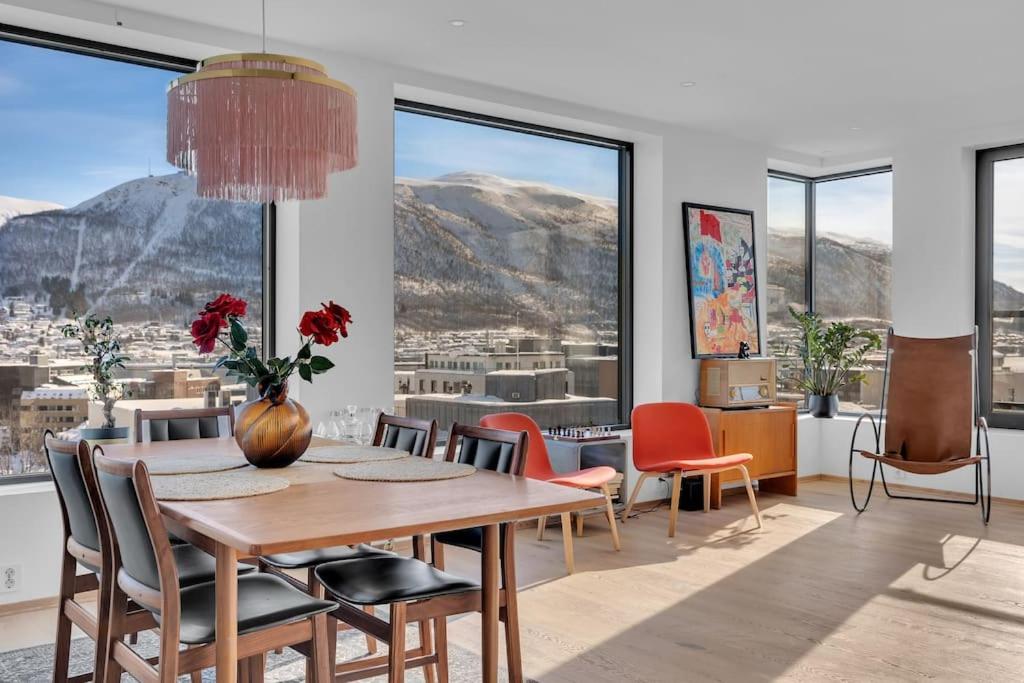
<point x="10" y="578"/>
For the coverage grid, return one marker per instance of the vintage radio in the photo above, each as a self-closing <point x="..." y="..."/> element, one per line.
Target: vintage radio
<point x="737" y="383"/>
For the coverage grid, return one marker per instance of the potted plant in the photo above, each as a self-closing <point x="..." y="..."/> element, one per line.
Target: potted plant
<point x="272" y="430"/>
<point x="832" y="357"/>
<point x="99" y="341"/>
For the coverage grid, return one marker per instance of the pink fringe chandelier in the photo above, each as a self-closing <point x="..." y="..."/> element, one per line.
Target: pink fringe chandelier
<point x="261" y="127"/>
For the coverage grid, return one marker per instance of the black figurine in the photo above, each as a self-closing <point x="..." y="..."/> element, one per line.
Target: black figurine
<point x="744" y="350"/>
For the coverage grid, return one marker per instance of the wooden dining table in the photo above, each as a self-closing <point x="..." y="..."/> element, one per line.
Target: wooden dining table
<point x="320" y="509"/>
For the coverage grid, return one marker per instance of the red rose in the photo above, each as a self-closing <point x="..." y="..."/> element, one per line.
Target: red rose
<point x="340" y="315"/>
<point x="226" y="305"/>
<point x="205" y="329"/>
<point x="320" y="326"/>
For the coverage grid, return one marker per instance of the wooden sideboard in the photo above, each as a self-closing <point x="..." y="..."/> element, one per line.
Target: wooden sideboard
<point x="769" y="434"/>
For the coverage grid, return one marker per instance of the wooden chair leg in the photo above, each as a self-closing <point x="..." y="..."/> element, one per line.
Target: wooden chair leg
<point x="257" y="667"/>
<point x="396" y="649"/>
<point x="541" y="523"/>
<point x="632" y="496"/>
<point x="673" y="512"/>
<point x="322" y="667"/>
<point x="611" y="516"/>
<point x="707" y="493"/>
<point x="513" y="646"/>
<point x="750" y="495"/>
<point x="168" y="667"/>
<point x="102" y="627"/>
<point x="570" y="564"/>
<point x="196" y="676"/>
<point x="427" y="648"/>
<point x="118" y="609"/>
<point x="441" y="647"/>
<point x="579" y="524"/>
<point x="62" y="642"/>
<point x="371" y="642"/>
<point x="245" y="672"/>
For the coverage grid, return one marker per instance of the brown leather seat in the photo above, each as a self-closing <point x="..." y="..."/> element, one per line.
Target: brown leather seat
<point x="922" y="467"/>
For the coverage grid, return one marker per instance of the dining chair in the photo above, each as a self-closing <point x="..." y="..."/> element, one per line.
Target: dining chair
<point x="414" y="590"/>
<point x="504" y="452"/>
<point x="418" y="438"/>
<point x="143" y="569"/>
<point x="538" y="466"/>
<point x="675" y="438"/>
<point x="85" y="544"/>
<point x="183" y="423"/>
<point x="72" y="477"/>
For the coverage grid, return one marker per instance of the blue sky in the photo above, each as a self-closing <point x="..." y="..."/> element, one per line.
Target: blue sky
<point x="855" y="207"/>
<point x="73" y="126"/>
<point x="427" y="147"/>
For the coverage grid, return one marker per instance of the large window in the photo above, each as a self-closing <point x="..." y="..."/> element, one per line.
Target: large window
<point x="93" y="220"/>
<point x="511" y="271"/>
<point x="1000" y="284"/>
<point x="830" y="251"/>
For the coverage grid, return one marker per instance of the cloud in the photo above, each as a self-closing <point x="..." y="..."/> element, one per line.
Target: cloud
<point x="8" y="84"/>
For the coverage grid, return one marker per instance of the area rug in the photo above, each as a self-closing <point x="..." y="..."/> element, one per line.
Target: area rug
<point x="35" y="664"/>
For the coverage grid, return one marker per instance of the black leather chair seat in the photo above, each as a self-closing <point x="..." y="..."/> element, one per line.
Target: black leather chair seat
<point x="470" y="539"/>
<point x="196" y="566"/>
<point x="384" y="580"/>
<point x="310" y="558"/>
<point x="263" y="601"/>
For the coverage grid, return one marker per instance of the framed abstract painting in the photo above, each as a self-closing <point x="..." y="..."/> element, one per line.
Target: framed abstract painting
<point x="721" y="276"/>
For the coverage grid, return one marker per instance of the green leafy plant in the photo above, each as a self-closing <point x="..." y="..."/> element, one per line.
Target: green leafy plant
<point x="833" y="354"/>
<point x="99" y="341"/>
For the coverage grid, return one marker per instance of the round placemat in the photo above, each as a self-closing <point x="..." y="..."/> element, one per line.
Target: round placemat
<point x="410" y="469"/>
<point x="194" y="463"/>
<point x="216" y="486"/>
<point x="349" y="454"/>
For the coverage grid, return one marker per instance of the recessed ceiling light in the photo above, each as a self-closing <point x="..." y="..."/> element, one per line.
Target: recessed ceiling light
<point x="855" y="128"/>
<point x="457" y="23"/>
<point x="688" y="84"/>
<point x="826" y="151"/>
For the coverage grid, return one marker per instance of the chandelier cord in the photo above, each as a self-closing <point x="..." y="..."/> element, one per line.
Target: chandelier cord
<point x="263" y="4"/>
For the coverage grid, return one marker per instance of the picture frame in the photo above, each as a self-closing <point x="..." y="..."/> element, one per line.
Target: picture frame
<point x="721" y="280"/>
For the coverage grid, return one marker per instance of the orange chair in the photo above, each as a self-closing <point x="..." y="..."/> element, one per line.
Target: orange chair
<point x="538" y="466"/>
<point x="676" y="438"/>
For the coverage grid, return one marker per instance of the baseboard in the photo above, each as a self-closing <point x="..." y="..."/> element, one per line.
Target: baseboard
<point x="921" y="490"/>
<point x="12" y="608"/>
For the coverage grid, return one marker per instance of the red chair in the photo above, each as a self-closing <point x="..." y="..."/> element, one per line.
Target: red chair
<point x="676" y="438"/>
<point x="538" y="466"/>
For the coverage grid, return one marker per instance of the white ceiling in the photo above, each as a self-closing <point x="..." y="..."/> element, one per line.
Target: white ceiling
<point x="795" y="74"/>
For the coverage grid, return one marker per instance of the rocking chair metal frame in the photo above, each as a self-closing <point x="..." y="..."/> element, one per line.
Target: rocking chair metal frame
<point x="982" y="485"/>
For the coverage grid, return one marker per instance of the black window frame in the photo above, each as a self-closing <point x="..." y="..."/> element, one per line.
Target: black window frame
<point x="811" y="228"/>
<point x="118" y="53"/>
<point x="984" y="279"/>
<point x="625" y="242"/>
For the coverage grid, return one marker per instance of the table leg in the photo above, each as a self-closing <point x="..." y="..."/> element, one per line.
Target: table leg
<point x="489" y="604"/>
<point x="227" y="613"/>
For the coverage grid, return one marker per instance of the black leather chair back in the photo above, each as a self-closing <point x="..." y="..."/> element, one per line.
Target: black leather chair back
<point x="485" y="454"/>
<point x="70" y="484"/>
<point x="128" y="523"/>
<point x="184" y="428"/>
<point x="406" y="439"/>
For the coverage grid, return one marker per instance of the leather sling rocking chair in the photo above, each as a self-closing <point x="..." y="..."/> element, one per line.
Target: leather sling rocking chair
<point x="926" y="422"/>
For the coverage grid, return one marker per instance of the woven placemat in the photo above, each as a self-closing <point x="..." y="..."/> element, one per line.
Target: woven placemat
<point x="194" y="463"/>
<point x="344" y="455"/>
<point x="216" y="486"/>
<point x="410" y="469"/>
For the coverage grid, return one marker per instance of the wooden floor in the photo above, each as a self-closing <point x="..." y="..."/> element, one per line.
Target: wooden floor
<point x="906" y="591"/>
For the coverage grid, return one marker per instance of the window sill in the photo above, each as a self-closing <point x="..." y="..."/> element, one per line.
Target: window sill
<point x="25" y="488"/>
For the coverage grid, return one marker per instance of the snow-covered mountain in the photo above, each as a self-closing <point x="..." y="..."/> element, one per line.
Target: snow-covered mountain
<point x="13" y="206"/>
<point x="472" y="250"/>
<point x="149" y="249"/>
